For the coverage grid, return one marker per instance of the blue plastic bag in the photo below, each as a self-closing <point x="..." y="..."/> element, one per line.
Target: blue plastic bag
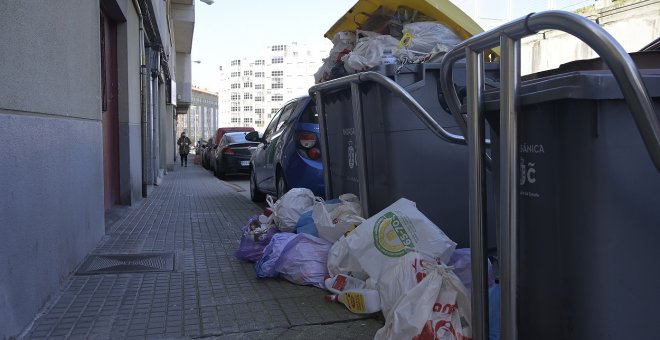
<point x="306" y="225"/>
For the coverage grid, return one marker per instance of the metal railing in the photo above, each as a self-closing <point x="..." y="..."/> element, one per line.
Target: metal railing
<point x="508" y="38"/>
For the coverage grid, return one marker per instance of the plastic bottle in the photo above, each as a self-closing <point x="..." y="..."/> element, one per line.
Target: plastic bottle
<point x="359" y="301"/>
<point x="341" y="282"/>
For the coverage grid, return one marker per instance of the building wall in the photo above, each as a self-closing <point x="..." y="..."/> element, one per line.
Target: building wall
<point x="201" y="121"/>
<point x="632" y="23"/>
<point x="51" y="208"/>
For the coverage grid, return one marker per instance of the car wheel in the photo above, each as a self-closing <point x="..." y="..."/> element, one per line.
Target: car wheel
<point x="255" y="194"/>
<point x="282" y="188"/>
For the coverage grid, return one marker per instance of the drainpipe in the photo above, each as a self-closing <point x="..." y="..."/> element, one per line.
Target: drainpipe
<point x="143" y="101"/>
<point x="155" y="114"/>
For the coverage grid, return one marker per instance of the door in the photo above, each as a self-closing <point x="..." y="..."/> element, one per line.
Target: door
<point x="109" y="111"/>
<point x="272" y="148"/>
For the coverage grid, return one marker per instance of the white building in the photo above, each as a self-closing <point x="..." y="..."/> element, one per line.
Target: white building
<point x="202" y="119"/>
<point x="252" y="89"/>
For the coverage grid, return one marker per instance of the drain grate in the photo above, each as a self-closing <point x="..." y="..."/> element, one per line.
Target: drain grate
<point x="127" y="263"/>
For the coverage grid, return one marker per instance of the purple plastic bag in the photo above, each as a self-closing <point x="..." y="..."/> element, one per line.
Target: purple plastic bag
<point x="253" y="244"/>
<point x="298" y="258"/>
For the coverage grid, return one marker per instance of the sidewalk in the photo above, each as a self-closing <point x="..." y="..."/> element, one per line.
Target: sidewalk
<point x="193" y="221"/>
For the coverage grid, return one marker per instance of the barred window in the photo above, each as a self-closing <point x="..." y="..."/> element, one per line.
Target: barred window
<point x="277" y="60"/>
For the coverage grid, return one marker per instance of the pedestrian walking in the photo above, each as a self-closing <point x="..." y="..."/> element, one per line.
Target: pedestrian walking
<point x="184" y="148"/>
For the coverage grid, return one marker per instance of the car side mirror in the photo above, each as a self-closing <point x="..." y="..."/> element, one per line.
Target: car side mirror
<point x="253" y="136"/>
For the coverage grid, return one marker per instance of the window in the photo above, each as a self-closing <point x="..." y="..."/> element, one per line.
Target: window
<point x="277" y="98"/>
<point x="258" y="99"/>
<point x="235" y="120"/>
<point x="284" y="116"/>
<point x="273" y="110"/>
<point x="310" y="115"/>
<point x="235" y="96"/>
<point x="259" y="111"/>
<point x="247" y="73"/>
<point x="235" y="74"/>
<point x="277" y="60"/>
<point x="247" y="84"/>
<point x="235" y="63"/>
<point x="235" y="108"/>
<point x="278" y="48"/>
<point x="247" y="120"/>
<point x="277" y="73"/>
<point x="259" y="86"/>
<point x="259" y="74"/>
<point x="247" y="108"/>
<point x="260" y="62"/>
<point x="247" y="96"/>
<point x="236" y="86"/>
<point x="277" y="86"/>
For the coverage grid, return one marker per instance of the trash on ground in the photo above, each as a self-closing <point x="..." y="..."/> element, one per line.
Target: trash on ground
<point x="334" y="218"/>
<point x="306" y="225"/>
<point x="358" y="300"/>
<point x="254" y="239"/>
<point x="288" y="208"/>
<point x="341" y="282"/>
<point x="341" y="261"/>
<point x="298" y="258"/>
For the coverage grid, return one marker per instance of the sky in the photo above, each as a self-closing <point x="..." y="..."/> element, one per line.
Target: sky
<point x="229" y="30"/>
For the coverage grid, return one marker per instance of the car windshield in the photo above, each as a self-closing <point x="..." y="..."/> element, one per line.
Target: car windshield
<point x="236" y="137"/>
<point x="310" y="115"/>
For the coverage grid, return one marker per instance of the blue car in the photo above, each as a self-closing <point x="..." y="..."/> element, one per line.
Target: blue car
<point x="289" y="154"/>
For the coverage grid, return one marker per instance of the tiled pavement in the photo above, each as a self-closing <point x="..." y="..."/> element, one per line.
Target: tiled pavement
<point x="209" y="294"/>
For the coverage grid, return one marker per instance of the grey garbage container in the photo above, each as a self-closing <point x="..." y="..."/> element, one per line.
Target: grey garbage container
<point x="404" y="158"/>
<point x="588" y="208"/>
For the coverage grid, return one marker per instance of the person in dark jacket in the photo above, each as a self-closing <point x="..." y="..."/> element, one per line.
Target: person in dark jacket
<point x="184" y="148"/>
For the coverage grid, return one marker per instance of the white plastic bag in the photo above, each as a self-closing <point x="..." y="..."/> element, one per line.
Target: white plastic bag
<point x="400" y="278"/>
<point x="341" y="262"/>
<point x="436" y="308"/>
<point x="368" y="52"/>
<point x="378" y="242"/>
<point x="290" y="206"/>
<point x="423" y="38"/>
<point x="333" y="220"/>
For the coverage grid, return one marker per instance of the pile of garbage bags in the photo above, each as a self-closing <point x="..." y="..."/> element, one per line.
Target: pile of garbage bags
<point x="407" y="37"/>
<point x="396" y="262"/>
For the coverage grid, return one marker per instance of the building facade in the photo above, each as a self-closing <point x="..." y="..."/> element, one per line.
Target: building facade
<point x="88" y="102"/>
<point x="201" y="122"/>
<point x="253" y="89"/>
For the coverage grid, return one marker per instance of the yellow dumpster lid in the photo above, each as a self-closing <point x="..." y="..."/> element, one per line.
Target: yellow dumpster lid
<point x="440" y="10"/>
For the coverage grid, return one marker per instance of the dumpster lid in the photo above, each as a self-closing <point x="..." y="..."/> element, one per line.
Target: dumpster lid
<point x="440" y="10"/>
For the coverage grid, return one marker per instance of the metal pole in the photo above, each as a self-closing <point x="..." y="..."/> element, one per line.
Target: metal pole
<point x="508" y="205"/>
<point x="325" y="157"/>
<point x="477" y="212"/>
<point x="361" y="155"/>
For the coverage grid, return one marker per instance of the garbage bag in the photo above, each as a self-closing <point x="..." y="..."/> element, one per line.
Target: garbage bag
<point x="427" y="37"/>
<point x="254" y="239"/>
<point x="378" y="242"/>
<point x="461" y="262"/>
<point x="306" y="225"/>
<point x="368" y="52"/>
<point x="298" y="258"/>
<point x="340" y="261"/>
<point x="438" y="307"/>
<point x="288" y="208"/>
<point x="333" y="220"/>
<point x="401" y="277"/>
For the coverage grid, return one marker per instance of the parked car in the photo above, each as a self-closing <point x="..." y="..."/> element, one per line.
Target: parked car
<point x="289" y="154"/>
<point x="207" y="154"/>
<point x="218" y="136"/>
<point x="233" y="154"/>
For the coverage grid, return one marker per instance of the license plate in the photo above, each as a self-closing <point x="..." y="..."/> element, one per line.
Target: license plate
<point x="245" y="163"/>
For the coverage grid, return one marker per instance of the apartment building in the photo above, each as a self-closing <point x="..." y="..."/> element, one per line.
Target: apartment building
<point x="253" y="89"/>
<point x="202" y="119"/>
